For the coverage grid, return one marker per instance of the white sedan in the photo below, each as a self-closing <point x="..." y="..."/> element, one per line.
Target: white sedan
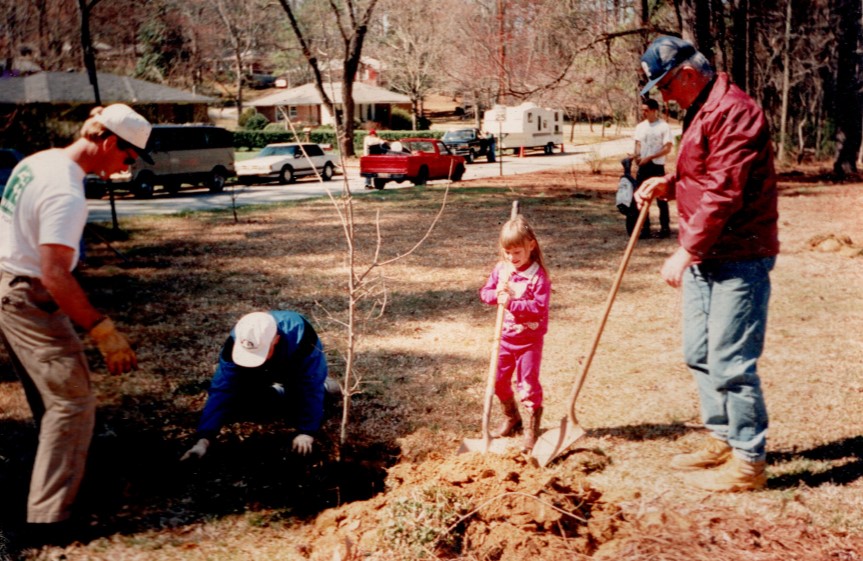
<point x="285" y="162"/>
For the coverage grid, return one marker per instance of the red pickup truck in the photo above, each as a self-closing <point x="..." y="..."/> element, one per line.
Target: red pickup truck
<point x="413" y="159"/>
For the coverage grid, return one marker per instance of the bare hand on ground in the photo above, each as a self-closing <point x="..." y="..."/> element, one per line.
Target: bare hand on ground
<point x="197" y="451"/>
<point x="302" y="444"/>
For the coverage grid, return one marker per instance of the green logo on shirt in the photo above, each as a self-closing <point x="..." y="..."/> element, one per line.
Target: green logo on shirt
<point x="14" y="187"/>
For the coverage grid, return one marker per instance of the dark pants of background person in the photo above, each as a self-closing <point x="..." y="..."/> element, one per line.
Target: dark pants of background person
<point x="644" y="172"/>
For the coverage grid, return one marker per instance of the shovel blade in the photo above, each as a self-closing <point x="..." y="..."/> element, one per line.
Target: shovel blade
<point x="493" y="445"/>
<point x="556" y="441"/>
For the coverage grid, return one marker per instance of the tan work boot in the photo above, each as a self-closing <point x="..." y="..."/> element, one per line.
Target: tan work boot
<point x="531" y="429"/>
<point x="714" y="453"/>
<point x="734" y="476"/>
<point x="511" y="423"/>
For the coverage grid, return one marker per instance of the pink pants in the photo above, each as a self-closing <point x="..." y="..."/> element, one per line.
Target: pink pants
<point x="524" y="359"/>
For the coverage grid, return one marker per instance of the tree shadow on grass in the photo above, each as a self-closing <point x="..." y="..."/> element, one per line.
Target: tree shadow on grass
<point x="644" y="431"/>
<point x="849" y="451"/>
<point x="135" y="483"/>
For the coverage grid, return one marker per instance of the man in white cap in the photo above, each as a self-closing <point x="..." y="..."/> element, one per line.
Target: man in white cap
<point x="272" y="363"/>
<point x="42" y="216"/>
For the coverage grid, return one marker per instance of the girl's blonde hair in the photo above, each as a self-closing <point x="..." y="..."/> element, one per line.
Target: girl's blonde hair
<point x="92" y="129"/>
<point x="517" y="232"/>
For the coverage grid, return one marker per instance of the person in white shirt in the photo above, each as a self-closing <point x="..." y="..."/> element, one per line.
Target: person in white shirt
<point x="42" y="216"/>
<point x="652" y="143"/>
<point x="371" y="145"/>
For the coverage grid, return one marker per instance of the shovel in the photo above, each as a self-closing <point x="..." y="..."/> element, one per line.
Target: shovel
<point x="486" y="443"/>
<point x="554" y="442"/>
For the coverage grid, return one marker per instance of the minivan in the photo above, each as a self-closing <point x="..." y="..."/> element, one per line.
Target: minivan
<point x="193" y="154"/>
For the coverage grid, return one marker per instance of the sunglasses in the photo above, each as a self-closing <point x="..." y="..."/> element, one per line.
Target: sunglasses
<point x="667" y="83"/>
<point x="129" y="149"/>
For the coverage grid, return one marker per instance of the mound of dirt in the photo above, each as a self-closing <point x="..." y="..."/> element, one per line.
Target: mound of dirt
<point x="835" y="243"/>
<point x="497" y="507"/>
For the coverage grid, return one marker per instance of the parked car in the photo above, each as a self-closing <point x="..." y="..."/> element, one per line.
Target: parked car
<point x="9" y="158"/>
<point x="413" y="159"/>
<point x="470" y="143"/>
<point x="284" y="162"/>
<point x="194" y="154"/>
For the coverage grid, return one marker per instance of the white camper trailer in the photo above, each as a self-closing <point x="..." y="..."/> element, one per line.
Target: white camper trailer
<point x="525" y="126"/>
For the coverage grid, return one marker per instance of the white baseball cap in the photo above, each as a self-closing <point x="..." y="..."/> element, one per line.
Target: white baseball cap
<point x="129" y="125"/>
<point x="253" y="336"/>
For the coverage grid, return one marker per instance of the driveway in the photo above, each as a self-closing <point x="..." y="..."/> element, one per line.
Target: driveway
<point x="192" y="200"/>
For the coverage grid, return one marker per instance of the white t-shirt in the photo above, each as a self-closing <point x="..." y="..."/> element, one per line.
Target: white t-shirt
<point x="370" y="140"/>
<point x="652" y="136"/>
<point x="43" y="203"/>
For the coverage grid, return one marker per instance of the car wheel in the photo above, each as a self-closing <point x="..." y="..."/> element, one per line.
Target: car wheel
<point x="172" y="187"/>
<point x="458" y="173"/>
<point x="469" y="157"/>
<point x="218" y="180"/>
<point x="379" y="183"/>
<point x="328" y="172"/>
<point x="422" y="177"/>
<point x="144" y="187"/>
<point x="549" y="149"/>
<point x="286" y="175"/>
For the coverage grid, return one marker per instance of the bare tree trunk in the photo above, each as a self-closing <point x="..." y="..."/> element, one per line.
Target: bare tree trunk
<point x="719" y="35"/>
<point x="238" y="68"/>
<point x="786" y="78"/>
<point x="87" y="46"/>
<point x="847" y="105"/>
<point x="740" y="44"/>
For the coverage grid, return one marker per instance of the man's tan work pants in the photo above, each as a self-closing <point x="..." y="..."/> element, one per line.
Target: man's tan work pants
<point x="49" y="359"/>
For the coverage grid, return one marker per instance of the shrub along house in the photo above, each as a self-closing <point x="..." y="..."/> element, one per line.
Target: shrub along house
<point x="303" y="105"/>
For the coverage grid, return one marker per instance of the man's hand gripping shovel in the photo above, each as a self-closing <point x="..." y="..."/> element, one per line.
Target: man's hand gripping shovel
<point x="554" y="442"/>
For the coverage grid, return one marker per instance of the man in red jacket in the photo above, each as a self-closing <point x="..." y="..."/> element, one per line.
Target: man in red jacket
<point x="725" y="187"/>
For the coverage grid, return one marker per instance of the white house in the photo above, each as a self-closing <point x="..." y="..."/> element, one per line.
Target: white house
<point x="303" y="104"/>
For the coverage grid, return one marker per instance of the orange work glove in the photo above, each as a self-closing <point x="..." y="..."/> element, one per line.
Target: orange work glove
<point x="119" y="356"/>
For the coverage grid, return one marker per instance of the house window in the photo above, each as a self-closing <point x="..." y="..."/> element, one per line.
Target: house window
<point x="529" y="117"/>
<point x="292" y="112"/>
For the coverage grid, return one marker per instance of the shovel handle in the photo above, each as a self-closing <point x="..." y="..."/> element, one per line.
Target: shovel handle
<point x="633" y="239"/>
<point x="495" y="351"/>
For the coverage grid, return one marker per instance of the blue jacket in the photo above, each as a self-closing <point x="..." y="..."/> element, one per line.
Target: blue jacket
<point x="298" y="363"/>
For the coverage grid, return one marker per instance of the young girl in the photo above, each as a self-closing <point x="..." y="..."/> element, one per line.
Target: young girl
<point x="520" y="283"/>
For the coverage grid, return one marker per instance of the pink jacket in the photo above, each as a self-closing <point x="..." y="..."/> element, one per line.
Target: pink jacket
<point x="725" y="183"/>
<point x="526" y="317"/>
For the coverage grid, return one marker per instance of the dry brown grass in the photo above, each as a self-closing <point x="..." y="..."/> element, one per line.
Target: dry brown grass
<point x="424" y="365"/>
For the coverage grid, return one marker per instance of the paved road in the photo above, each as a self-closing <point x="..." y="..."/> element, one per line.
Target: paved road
<point x="100" y="210"/>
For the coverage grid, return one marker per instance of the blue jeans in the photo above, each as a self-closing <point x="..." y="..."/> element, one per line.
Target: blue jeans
<point x="724" y="321"/>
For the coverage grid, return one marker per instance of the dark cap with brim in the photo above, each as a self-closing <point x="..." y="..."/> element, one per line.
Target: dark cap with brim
<point x="663" y="56"/>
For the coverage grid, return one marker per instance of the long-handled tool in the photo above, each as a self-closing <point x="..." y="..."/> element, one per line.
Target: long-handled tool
<point x="554" y="442"/>
<point x="486" y="444"/>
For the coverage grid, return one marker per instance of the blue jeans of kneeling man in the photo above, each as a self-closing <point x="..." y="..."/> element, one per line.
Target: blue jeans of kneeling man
<point x="724" y="322"/>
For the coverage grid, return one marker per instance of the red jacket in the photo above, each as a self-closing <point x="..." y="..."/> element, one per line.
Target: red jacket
<point x="725" y="183"/>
